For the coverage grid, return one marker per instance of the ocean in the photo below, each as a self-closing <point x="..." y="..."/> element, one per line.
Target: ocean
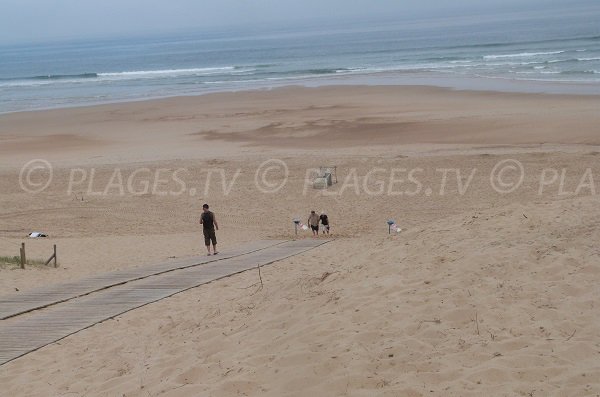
<point x="544" y="50"/>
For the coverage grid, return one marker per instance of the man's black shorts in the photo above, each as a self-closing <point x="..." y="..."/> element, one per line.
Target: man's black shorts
<point x="210" y="235"/>
<point x="315" y="228"/>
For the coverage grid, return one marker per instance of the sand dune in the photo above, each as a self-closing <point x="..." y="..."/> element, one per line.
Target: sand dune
<point x="485" y="303"/>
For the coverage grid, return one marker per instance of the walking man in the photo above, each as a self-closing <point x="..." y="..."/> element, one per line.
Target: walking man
<point x="313" y="222"/>
<point x="209" y="223"/>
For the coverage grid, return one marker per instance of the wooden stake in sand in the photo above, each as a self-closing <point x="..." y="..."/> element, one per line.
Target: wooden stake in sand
<point x="52" y="257"/>
<point x="23" y="257"/>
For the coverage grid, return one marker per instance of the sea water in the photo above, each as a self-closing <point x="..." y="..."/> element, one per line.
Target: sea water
<point x="540" y="50"/>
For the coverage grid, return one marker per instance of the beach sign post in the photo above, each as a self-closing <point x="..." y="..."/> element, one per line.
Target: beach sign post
<point x="296" y="223"/>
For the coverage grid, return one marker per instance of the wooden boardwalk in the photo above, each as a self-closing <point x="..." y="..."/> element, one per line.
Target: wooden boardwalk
<point x="64" y="309"/>
<point x="15" y="304"/>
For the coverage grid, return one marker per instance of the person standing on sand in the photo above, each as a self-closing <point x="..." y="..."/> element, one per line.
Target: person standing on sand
<point x="313" y="222"/>
<point x="325" y="222"/>
<point x="209" y="223"/>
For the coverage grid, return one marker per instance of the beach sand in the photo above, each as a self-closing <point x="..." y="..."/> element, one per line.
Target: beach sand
<point x="486" y="291"/>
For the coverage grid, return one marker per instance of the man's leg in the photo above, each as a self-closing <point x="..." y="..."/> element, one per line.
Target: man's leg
<point x="214" y="242"/>
<point x="207" y="242"/>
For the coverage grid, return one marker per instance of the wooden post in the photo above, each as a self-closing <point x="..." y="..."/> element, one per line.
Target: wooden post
<point x="52" y="257"/>
<point x="23" y="257"/>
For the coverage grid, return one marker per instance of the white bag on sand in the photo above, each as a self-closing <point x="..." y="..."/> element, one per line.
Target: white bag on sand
<point x="37" y="234"/>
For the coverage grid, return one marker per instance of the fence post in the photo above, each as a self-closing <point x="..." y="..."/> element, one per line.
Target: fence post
<point x="23" y="257"/>
<point x="55" y="265"/>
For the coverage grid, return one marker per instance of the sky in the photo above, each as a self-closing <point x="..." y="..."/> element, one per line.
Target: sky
<point x="34" y="21"/>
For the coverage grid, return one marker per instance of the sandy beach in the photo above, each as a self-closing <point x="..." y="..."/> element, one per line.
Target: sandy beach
<point x="490" y="288"/>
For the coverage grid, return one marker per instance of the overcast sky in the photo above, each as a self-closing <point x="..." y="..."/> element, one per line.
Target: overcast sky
<point x="23" y="21"/>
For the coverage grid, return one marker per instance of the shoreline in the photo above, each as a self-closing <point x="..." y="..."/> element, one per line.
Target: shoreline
<point x="484" y="84"/>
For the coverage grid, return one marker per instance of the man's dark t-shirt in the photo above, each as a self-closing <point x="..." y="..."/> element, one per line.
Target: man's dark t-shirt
<point x="324" y="220"/>
<point x="208" y="221"/>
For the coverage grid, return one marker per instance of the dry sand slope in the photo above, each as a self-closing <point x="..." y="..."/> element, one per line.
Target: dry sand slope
<point x="499" y="302"/>
<point x="482" y="294"/>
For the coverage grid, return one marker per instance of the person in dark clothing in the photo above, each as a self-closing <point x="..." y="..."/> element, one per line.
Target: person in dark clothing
<point x="209" y="224"/>
<point x="325" y="222"/>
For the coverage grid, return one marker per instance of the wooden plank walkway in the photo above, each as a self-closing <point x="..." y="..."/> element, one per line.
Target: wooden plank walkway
<point x="23" y="302"/>
<point x="32" y="330"/>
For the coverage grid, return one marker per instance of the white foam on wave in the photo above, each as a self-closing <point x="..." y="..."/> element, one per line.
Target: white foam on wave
<point x="174" y="72"/>
<point x="351" y="70"/>
<point x="132" y="75"/>
<point x="37" y="83"/>
<point x="522" y="55"/>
